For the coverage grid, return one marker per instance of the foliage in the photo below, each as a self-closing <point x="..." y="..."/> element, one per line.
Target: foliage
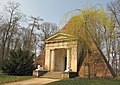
<point x="93" y="26"/>
<point x="18" y="63"/>
<point x="87" y="25"/>
<point x="79" y="81"/>
<point x="10" y="78"/>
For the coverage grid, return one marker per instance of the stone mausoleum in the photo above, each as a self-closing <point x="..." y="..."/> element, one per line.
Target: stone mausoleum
<point x="60" y="54"/>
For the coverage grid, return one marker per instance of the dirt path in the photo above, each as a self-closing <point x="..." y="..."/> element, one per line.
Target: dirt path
<point x="34" y="81"/>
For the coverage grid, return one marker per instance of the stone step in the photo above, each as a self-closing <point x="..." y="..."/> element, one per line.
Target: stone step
<point x="54" y="75"/>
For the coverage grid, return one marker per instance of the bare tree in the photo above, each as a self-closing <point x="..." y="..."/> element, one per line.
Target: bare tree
<point x="13" y="16"/>
<point x="35" y="24"/>
<point x="114" y="9"/>
<point x="47" y="29"/>
<point x="14" y="35"/>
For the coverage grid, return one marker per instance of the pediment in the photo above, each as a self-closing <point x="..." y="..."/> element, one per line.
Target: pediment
<point x="60" y="37"/>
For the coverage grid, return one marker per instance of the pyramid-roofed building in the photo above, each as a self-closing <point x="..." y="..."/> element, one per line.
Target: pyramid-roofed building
<point x="69" y="51"/>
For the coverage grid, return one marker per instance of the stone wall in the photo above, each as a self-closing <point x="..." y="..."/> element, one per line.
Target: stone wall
<point x="94" y="65"/>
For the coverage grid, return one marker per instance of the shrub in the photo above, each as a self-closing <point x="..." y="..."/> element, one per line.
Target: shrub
<point x="18" y="63"/>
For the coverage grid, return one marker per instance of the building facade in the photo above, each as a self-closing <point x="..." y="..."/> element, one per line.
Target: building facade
<point x="62" y="54"/>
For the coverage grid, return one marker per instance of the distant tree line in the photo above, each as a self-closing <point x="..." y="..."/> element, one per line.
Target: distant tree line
<point x="19" y="31"/>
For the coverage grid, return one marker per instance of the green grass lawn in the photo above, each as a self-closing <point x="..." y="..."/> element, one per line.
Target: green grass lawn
<point x="79" y="81"/>
<point x="10" y="78"/>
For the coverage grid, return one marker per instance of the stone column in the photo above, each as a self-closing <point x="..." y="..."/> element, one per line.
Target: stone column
<point x="52" y="60"/>
<point x="47" y="59"/>
<point x="68" y="58"/>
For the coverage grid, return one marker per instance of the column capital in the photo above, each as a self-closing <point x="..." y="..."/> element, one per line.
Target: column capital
<point x="52" y="49"/>
<point x="68" y="48"/>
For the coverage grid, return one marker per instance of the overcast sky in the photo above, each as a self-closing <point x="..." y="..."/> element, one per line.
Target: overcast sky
<point x="53" y="10"/>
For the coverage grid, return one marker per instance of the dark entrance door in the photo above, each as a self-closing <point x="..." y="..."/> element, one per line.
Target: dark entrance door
<point x="65" y="63"/>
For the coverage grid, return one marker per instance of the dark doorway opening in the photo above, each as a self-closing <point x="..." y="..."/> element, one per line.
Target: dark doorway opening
<point x="65" y="63"/>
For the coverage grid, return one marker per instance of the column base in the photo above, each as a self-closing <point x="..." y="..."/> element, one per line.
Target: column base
<point x="69" y="75"/>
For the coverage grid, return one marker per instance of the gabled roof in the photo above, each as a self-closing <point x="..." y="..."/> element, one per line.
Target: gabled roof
<point x="57" y="37"/>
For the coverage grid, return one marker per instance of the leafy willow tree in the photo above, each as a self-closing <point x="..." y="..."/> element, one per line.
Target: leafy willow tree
<point x="19" y="62"/>
<point x="90" y="26"/>
<point x="90" y="22"/>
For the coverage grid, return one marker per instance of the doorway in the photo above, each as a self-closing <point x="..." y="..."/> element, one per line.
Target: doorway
<point x="60" y="59"/>
<point x="65" y="63"/>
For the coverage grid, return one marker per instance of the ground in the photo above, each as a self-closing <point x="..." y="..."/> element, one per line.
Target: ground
<point x="12" y="78"/>
<point x="80" y="81"/>
<point x="34" y="81"/>
<point x="72" y="81"/>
